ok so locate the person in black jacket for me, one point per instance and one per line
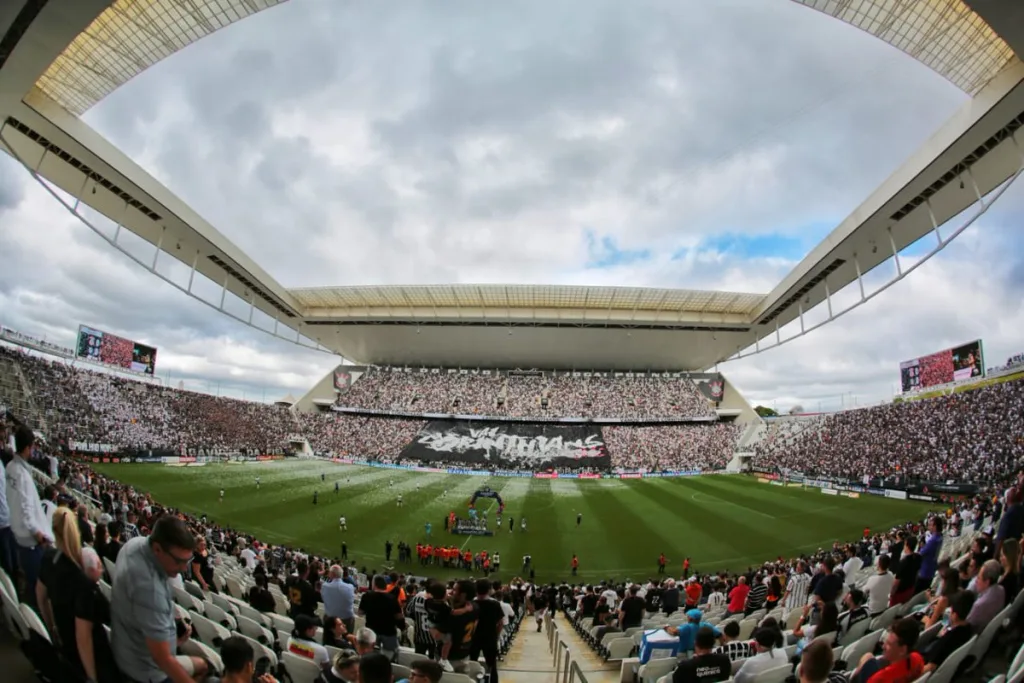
(906, 573)
(952, 637)
(704, 666)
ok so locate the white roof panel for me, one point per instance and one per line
(129, 37)
(527, 297)
(947, 36)
(132, 35)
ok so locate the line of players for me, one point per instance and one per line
(451, 557)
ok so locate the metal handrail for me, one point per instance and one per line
(576, 672)
(558, 656)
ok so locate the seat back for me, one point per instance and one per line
(946, 672)
(865, 644)
(14, 618)
(302, 670)
(984, 641)
(33, 621)
(776, 674)
(855, 633)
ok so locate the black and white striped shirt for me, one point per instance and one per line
(737, 649)
(415, 609)
(799, 586)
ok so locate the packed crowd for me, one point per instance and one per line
(971, 436)
(527, 395)
(101, 408)
(673, 447)
(936, 592)
(349, 436)
(79, 405)
(57, 545)
(864, 577)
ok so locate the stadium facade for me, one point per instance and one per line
(58, 58)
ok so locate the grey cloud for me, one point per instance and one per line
(778, 118)
(11, 186)
(426, 81)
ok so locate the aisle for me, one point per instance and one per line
(592, 664)
(531, 660)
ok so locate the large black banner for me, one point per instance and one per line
(510, 446)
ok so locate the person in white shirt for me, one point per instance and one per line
(717, 597)
(852, 565)
(248, 555)
(28, 521)
(770, 655)
(611, 597)
(302, 642)
(8, 547)
(879, 586)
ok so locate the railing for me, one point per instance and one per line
(566, 668)
(574, 673)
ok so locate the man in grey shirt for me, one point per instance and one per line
(143, 634)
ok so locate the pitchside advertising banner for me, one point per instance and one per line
(950, 365)
(511, 446)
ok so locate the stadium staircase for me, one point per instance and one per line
(555, 655)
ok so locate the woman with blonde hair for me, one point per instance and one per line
(61, 581)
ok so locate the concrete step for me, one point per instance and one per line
(592, 664)
(530, 658)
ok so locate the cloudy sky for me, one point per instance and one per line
(670, 143)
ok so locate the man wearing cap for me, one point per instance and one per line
(302, 642)
(688, 632)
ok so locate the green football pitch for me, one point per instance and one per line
(719, 521)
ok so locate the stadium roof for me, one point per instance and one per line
(59, 58)
(132, 35)
(591, 303)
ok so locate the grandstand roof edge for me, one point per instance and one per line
(948, 37)
(638, 301)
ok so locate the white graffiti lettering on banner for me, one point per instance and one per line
(496, 443)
